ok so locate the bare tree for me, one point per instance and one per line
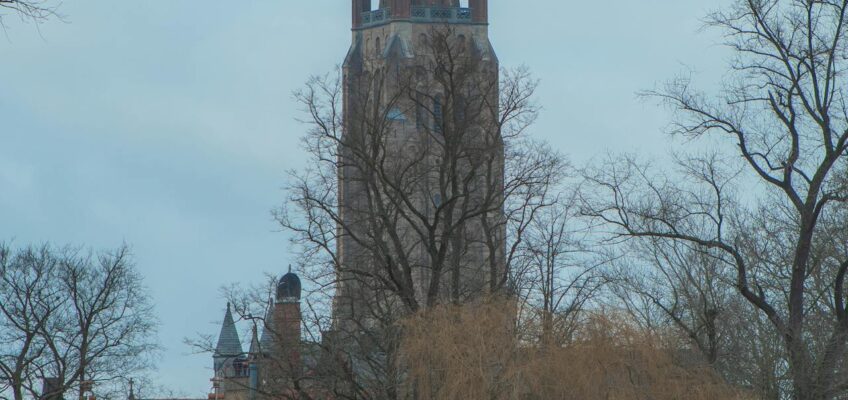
(670, 286)
(28, 301)
(555, 271)
(465, 129)
(34, 10)
(85, 321)
(786, 116)
(428, 181)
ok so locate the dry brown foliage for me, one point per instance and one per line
(472, 352)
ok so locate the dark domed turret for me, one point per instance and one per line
(289, 288)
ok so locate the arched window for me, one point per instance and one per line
(461, 43)
(459, 106)
(419, 112)
(422, 44)
(377, 47)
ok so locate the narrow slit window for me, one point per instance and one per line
(437, 113)
(419, 112)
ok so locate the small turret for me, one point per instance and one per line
(229, 345)
(267, 340)
(255, 347)
(254, 358)
(132, 390)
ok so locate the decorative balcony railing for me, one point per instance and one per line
(451, 15)
(441, 14)
(376, 17)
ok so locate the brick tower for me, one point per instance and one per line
(395, 89)
(286, 323)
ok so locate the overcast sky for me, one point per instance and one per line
(168, 125)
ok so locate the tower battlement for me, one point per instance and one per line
(419, 11)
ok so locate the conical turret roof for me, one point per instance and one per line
(267, 340)
(229, 344)
(255, 347)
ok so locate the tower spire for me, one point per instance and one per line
(267, 340)
(255, 347)
(229, 345)
(132, 390)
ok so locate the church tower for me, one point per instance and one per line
(421, 161)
